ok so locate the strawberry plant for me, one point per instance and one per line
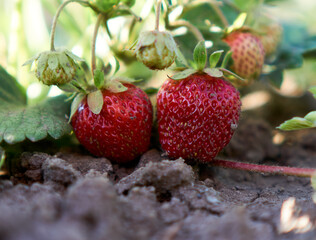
(125, 112)
(110, 113)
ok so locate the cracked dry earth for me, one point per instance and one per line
(74, 196)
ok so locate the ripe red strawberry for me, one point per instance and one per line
(248, 54)
(197, 116)
(121, 131)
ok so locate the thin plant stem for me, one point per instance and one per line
(220, 14)
(289, 171)
(182, 23)
(107, 29)
(61, 7)
(158, 10)
(193, 29)
(94, 38)
(125, 8)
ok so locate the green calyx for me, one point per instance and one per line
(94, 91)
(199, 64)
(55, 67)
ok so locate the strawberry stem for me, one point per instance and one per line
(94, 38)
(182, 23)
(194, 30)
(158, 10)
(289, 171)
(220, 14)
(61, 7)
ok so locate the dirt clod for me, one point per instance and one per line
(59, 171)
(164, 176)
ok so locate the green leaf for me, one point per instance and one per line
(123, 79)
(115, 86)
(224, 70)
(296, 123)
(73, 56)
(98, 78)
(180, 59)
(226, 59)
(214, 72)
(19, 121)
(275, 77)
(95, 101)
(311, 117)
(246, 5)
(313, 91)
(104, 6)
(214, 58)
(69, 87)
(238, 23)
(2, 157)
(184, 74)
(34, 122)
(75, 104)
(200, 55)
(151, 90)
(117, 66)
(198, 12)
(10, 90)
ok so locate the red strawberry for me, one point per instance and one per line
(197, 116)
(248, 54)
(121, 131)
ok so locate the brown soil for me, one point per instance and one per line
(74, 196)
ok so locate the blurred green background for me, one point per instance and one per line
(25, 28)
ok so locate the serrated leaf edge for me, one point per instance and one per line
(295, 123)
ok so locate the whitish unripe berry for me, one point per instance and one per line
(55, 67)
(248, 54)
(155, 49)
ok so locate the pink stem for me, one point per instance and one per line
(291, 171)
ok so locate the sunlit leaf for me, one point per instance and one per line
(19, 121)
(296, 123)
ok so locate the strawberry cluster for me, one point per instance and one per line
(197, 108)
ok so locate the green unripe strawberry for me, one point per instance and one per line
(55, 67)
(156, 50)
